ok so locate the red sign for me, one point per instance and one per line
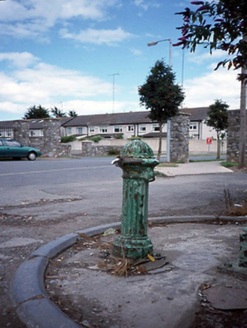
(209, 141)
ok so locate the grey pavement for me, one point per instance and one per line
(193, 168)
(167, 298)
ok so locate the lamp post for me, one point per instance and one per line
(168, 139)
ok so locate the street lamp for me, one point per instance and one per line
(154, 43)
(168, 139)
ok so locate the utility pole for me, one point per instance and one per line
(113, 90)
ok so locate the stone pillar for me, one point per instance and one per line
(52, 137)
(179, 148)
(233, 136)
(21, 132)
(87, 148)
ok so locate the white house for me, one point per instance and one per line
(128, 125)
(198, 128)
(117, 124)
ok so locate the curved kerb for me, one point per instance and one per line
(27, 288)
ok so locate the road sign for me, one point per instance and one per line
(209, 141)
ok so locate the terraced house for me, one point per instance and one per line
(125, 125)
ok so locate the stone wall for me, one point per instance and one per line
(179, 147)
(89, 148)
(233, 136)
(50, 144)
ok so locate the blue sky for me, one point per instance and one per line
(83, 54)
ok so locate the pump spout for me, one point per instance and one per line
(116, 162)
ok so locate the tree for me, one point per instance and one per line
(221, 25)
(36, 112)
(161, 95)
(218, 119)
(57, 112)
(72, 113)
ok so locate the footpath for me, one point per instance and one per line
(212, 167)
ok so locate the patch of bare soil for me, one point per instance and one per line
(208, 317)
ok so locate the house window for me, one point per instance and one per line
(156, 127)
(118, 129)
(42, 133)
(193, 126)
(79, 130)
(142, 128)
(32, 133)
(103, 129)
(130, 128)
(68, 130)
(91, 129)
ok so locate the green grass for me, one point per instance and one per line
(204, 160)
(229, 164)
(167, 165)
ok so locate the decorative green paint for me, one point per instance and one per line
(137, 149)
(137, 162)
(243, 249)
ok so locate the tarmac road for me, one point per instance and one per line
(45, 199)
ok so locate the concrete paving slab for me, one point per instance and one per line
(193, 169)
(227, 298)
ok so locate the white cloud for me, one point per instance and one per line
(19, 59)
(83, 107)
(109, 37)
(200, 57)
(204, 90)
(136, 52)
(32, 18)
(146, 4)
(33, 82)
(10, 107)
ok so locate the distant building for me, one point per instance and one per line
(198, 128)
(128, 124)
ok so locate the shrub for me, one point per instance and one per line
(118, 136)
(113, 151)
(68, 139)
(135, 138)
(95, 138)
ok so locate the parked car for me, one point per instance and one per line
(14, 149)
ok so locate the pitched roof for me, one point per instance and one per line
(109, 119)
(138, 117)
(6, 124)
(196, 114)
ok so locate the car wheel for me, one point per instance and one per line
(31, 156)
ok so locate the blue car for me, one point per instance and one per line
(15, 150)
